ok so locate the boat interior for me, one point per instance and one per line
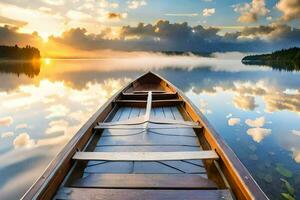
(148, 143)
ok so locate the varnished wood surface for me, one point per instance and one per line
(134, 139)
(143, 96)
(242, 183)
(146, 156)
(145, 181)
(130, 194)
(155, 103)
(152, 139)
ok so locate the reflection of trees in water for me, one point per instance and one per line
(293, 65)
(29, 68)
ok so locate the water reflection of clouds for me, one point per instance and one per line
(258, 122)
(23, 140)
(291, 142)
(6, 121)
(258, 134)
(274, 97)
(56, 100)
(233, 121)
(61, 112)
(68, 92)
(244, 102)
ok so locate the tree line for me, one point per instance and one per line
(285, 59)
(19, 53)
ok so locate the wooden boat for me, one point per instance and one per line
(147, 142)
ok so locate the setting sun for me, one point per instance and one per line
(47, 61)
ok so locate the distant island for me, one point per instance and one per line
(184, 53)
(285, 59)
(19, 53)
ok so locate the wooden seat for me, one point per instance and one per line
(143, 96)
(137, 194)
(138, 121)
(150, 126)
(142, 103)
(145, 181)
(146, 156)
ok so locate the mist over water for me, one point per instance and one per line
(254, 108)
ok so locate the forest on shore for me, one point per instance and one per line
(19, 53)
(285, 59)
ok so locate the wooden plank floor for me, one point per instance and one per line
(152, 140)
(129, 194)
(146, 181)
(155, 179)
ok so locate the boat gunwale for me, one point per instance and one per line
(69, 149)
(224, 151)
(230, 161)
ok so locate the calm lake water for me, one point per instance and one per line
(255, 109)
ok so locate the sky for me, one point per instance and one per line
(60, 27)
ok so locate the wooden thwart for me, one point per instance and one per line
(155, 103)
(145, 181)
(139, 121)
(136, 194)
(143, 96)
(150, 126)
(146, 91)
(146, 156)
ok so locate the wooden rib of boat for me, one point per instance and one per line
(147, 142)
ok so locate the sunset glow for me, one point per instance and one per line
(66, 28)
(210, 97)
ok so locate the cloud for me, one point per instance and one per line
(208, 12)
(34, 18)
(45, 9)
(161, 36)
(258, 122)
(182, 14)
(296, 132)
(204, 107)
(229, 115)
(258, 134)
(289, 8)
(233, 121)
(22, 126)
(23, 140)
(6, 121)
(296, 155)
(57, 126)
(251, 11)
(77, 15)
(54, 2)
(270, 33)
(12, 22)
(57, 111)
(282, 101)
(291, 143)
(164, 36)
(106, 4)
(116, 16)
(7, 134)
(244, 102)
(134, 4)
(274, 98)
(10, 36)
